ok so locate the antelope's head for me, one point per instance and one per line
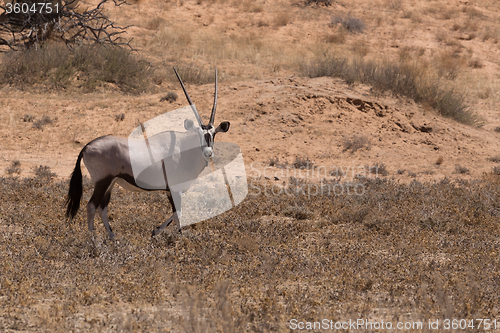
(206, 132)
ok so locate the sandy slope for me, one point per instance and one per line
(284, 118)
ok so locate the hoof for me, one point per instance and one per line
(155, 232)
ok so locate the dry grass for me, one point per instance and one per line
(275, 162)
(171, 38)
(356, 142)
(203, 49)
(14, 168)
(406, 53)
(27, 118)
(303, 163)
(405, 78)
(253, 268)
(361, 48)
(378, 169)
(319, 2)
(394, 4)
(120, 117)
(55, 66)
(441, 11)
(191, 73)
(448, 64)
(298, 213)
(43, 172)
(169, 97)
(461, 169)
(39, 124)
(414, 16)
(349, 23)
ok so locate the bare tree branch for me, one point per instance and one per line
(29, 23)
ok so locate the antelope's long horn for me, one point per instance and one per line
(212, 116)
(193, 107)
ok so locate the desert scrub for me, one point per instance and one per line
(40, 124)
(403, 78)
(461, 169)
(169, 97)
(356, 142)
(377, 169)
(87, 66)
(319, 2)
(44, 172)
(191, 73)
(349, 23)
(303, 163)
(14, 168)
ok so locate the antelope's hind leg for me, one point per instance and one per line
(103, 210)
(175, 215)
(100, 200)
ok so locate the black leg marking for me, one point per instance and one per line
(100, 192)
(105, 200)
(171, 199)
(100, 199)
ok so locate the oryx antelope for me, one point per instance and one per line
(108, 161)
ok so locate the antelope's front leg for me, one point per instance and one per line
(166, 224)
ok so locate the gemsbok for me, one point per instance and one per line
(108, 161)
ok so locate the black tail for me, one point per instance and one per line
(75, 189)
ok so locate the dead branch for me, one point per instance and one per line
(29, 23)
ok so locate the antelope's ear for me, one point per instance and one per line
(223, 127)
(188, 123)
